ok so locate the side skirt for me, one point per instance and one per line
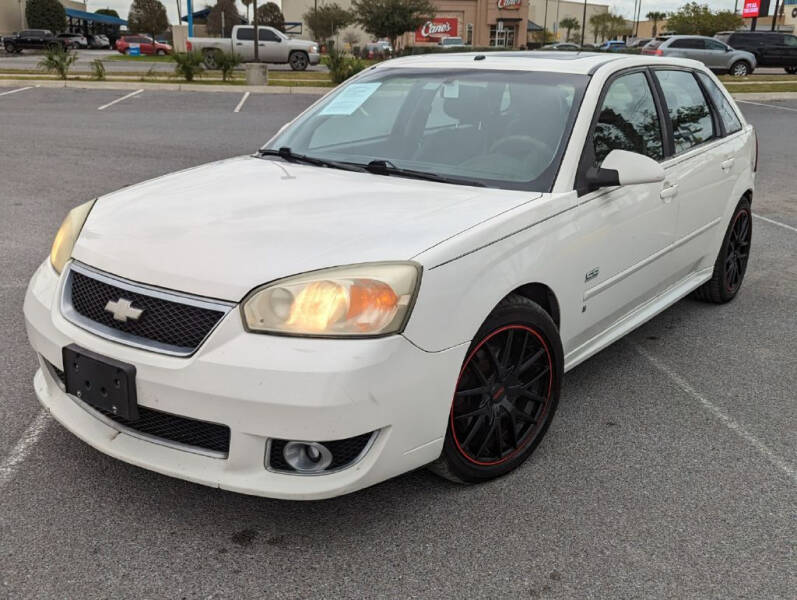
(637, 317)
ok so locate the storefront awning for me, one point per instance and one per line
(94, 18)
(532, 26)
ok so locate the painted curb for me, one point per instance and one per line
(167, 87)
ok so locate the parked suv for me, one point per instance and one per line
(771, 48)
(32, 39)
(75, 40)
(713, 53)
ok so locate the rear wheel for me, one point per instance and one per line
(209, 58)
(10, 47)
(506, 394)
(298, 61)
(161, 52)
(791, 70)
(740, 69)
(731, 264)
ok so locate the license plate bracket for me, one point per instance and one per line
(101, 382)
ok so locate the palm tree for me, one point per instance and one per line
(656, 16)
(247, 4)
(569, 24)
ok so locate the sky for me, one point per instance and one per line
(623, 7)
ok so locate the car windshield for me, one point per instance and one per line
(502, 129)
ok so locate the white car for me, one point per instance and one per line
(400, 277)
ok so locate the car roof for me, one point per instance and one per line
(584, 63)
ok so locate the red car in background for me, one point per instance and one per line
(145, 43)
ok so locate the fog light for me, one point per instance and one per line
(307, 457)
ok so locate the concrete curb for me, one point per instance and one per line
(167, 87)
(765, 95)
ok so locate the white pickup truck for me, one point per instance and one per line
(273, 47)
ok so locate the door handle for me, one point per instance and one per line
(239, 43)
(668, 193)
(727, 164)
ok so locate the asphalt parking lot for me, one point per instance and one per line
(669, 471)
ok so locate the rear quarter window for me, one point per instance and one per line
(724, 108)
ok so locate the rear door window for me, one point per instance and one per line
(726, 112)
(628, 119)
(689, 112)
(714, 45)
(689, 43)
(246, 33)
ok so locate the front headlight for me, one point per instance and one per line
(357, 301)
(314, 50)
(67, 235)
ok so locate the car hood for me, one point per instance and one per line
(221, 229)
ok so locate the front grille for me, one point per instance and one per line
(163, 324)
(344, 452)
(166, 426)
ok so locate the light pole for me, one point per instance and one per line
(257, 34)
(583, 23)
(190, 7)
(545, 25)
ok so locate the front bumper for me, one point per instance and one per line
(261, 387)
(314, 57)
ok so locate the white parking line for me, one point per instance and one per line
(717, 412)
(30, 87)
(130, 95)
(12, 462)
(241, 103)
(774, 222)
(769, 105)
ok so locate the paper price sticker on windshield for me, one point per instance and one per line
(350, 99)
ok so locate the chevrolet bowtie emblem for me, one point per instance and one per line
(122, 310)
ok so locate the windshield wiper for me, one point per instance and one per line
(385, 167)
(290, 156)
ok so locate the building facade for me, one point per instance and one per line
(549, 13)
(12, 14)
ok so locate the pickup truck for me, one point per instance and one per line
(33, 39)
(273, 47)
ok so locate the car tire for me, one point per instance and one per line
(209, 59)
(126, 52)
(298, 61)
(731, 263)
(741, 68)
(791, 70)
(506, 394)
(161, 52)
(10, 48)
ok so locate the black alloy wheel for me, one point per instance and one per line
(738, 250)
(731, 263)
(298, 61)
(506, 393)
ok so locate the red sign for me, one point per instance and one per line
(751, 8)
(509, 4)
(437, 28)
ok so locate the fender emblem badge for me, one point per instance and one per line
(592, 274)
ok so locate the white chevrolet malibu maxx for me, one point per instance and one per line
(400, 277)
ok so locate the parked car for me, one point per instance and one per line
(561, 46)
(770, 48)
(717, 56)
(451, 42)
(145, 43)
(400, 277)
(612, 46)
(638, 42)
(99, 41)
(74, 40)
(273, 47)
(32, 39)
(378, 49)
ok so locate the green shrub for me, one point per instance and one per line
(226, 62)
(97, 69)
(341, 67)
(58, 59)
(189, 64)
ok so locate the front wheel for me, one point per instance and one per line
(209, 58)
(161, 52)
(791, 70)
(506, 394)
(740, 69)
(731, 264)
(10, 48)
(298, 61)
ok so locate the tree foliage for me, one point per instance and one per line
(147, 16)
(392, 18)
(107, 11)
(569, 24)
(45, 14)
(608, 26)
(698, 19)
(231, 18)
(269, 14)
(247, 4)
(326, 20)
(656, 16)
